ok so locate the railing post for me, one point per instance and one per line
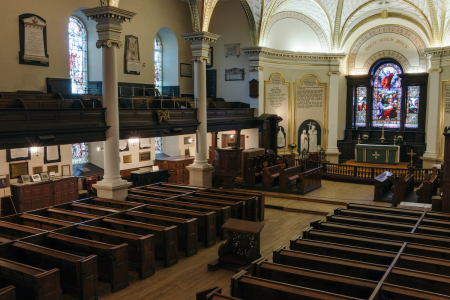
(355, 171)
(372, 173)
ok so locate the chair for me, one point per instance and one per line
(91, 190)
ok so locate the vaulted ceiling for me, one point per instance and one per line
(338, 19)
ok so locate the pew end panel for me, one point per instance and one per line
(8, 293)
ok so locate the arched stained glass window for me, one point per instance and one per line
(159, 145)
(78, 55)
(158, 64)
(80, 153)
(412, 107)
(361, 106)
(387, 96)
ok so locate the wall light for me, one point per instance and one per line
(133, 141)
(100, 149)
(191, 140)
(35, 150)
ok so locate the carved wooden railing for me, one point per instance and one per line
(363, 172)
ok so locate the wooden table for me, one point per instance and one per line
(144, 177)
(177, 167)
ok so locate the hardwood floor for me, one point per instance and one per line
(190, 275)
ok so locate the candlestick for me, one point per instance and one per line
(395, 140)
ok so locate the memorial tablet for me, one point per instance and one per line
(277, 101)
(33, 40)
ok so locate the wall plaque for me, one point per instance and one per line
(145, 156)
(447, 97)
(132, 57)
(33, 40)
(18, 169)
(38, 170)
(234, 74)
(233, 50)
(277, 101)
(18, 154)
(127, 159)
(123, 145)
(185, 70)
(52, 154)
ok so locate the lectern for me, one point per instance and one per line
(242, 246)
(227, 164)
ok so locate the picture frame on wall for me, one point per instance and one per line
(145, 156)
(66, 170)
(36, 178)
(234, 74)
(54, 168)
(33, 40)
(5, 186)
(44, 176)
(145, 143)
(52, 154)
(210, 64)
(127, 159)
(185, 70)
(38, 169)
(26, 178)
(18, 169)
(123, 145)
(18, 154)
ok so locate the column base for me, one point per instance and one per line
(200, 175)
(429, 162)
(333, 157)
(116, 190)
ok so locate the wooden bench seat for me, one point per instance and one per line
(110, 203)
(89, 209)
(251, 200)
(187, 229)
(63, 214)
(382, 224)
(164, 189)
(309, 181)
(206, 220)
(166, 242)
(376, 216)
(289, 176)
(385, 209)
(222, 213)
(237, 208)
(402, 185)
(30, 282)
(78, 274)
(153, 194)
(429, 186)
(396, 292)
(12, 231)
(383, 185)
(271, 174)
(112, 260)
(141, 249)
(36, 221)
(8, 293)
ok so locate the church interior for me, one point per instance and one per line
(225, 149)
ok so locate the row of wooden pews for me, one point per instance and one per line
(358, 252)
(254, 167)
(67, 249)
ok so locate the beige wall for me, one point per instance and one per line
(151, 17)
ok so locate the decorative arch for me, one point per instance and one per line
(195, 17)
(399, 30)
(303, 18)
(251, 22)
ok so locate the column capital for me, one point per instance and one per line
(435, 69)
(331, 73)
(200, 37)
(256, 69)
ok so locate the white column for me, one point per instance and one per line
(109, 28)
(200, 172)
(332, 150)
(430, 156)
(257, 72)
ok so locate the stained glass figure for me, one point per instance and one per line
(78, 55)
(412, 107)
(361, 106)
(80, 153)
(158, 145)
(158, 64)
(387, 96)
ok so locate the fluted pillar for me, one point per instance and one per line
(109, 27)
(200, 172)
(332, 150)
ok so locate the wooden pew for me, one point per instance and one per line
(214, 293)
(110, 203)
(166, 241)
(206, 220)
(382, 224)
(222, 213)
(337, 284)
(10, 232)
(165, 189)
(383, 184)
(251, 175)
(63, 214)
(254, 201)
(153, 194)
(396, 292)
(181, 186)
(376, 216)
(309, 181)
(289, 175)
(141, 249)
(36, 221)
(78, 274)
(30, 282)
(429, 186)
(187, 229)
(8, 293)
(252, 288)
(403, 184)
(89, 209)
(385, 209)
(237, 208)
(112, 260)
(270, 175)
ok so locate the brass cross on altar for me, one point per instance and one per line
(376, 155)
(412, 155)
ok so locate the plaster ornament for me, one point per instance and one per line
(113, 3)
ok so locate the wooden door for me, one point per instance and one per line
(227, 139)
(211, 83)
(242, 141)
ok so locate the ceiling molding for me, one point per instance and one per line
(435, 27)
(251, 22)
(337, 25)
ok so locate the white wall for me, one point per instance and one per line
(170, 56)
(38, 160)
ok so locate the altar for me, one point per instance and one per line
(377, 154)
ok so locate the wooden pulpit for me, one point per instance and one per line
(227, 165)
(242, 246)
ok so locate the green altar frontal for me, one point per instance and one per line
(377, 154)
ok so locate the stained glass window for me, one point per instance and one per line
(412, 107)
(387, 96)
(80, 153)
(361, 106)
(159, 145)
(158, 64)
(78, 55)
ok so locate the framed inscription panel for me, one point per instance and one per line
(145, 156)
(185, 70)
(132, 57)
(52, 154)
(277, 101)
(234, 74)
(123, 145)
(18, 154)
(310, 103)
(145, 143)
(127, 159)
(18, 169)
(33, 40)
(232, 50)
(38, 170)
(54, 168)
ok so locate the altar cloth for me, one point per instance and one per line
(377, 154)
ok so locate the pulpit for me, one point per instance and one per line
(242, 246)
(227, 165)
